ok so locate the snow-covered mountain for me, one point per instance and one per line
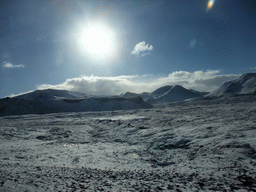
(198, 92)
(51, 94)
(53, 101)
(143, 95)
(246, 84)
(167, 94)
(160, 91)
(171, 94)
(129, 95)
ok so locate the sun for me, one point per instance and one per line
(98, 40)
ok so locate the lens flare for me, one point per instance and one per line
(210, 4)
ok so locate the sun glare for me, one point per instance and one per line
(98, 40)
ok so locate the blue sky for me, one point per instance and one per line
(153, 43)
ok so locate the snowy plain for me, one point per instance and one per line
(197, 145)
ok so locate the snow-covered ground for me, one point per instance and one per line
(188, 146)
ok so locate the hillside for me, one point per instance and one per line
(51, 94)
(167, 94)
(54, 101)
(175, 93)
(246, 84)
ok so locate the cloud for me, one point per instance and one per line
(10, 65)
(192, 44)
(142, 47)
(94, 85)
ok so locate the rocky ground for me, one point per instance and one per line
(206, 145)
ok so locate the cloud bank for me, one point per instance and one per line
(10, 65)
(94, 85)
(143, 48)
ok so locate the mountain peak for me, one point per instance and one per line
(248, 75)
(50, 94)
(246, 84)
(161, 90)
(172, 94)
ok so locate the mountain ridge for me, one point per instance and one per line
(54, 101)
(168, 93)
(245, 84)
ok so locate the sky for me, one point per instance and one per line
(110, 47)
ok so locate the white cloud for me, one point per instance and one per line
(10, 65)
(198, 80)
(192, 44)
(142, 47)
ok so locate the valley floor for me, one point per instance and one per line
(188, 146)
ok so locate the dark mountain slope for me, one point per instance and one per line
(55, 101)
